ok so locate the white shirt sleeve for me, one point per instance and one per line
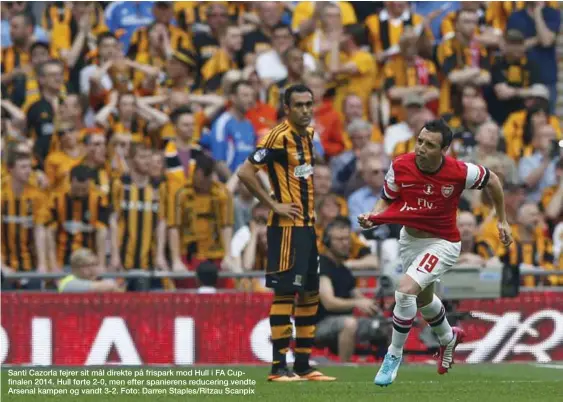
(390, 188)
(477, 176)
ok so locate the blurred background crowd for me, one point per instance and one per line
(123, 124)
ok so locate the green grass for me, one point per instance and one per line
(418, 383)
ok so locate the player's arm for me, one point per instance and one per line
(480, 178)
(248, 175)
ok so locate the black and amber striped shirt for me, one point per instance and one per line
(137, 212)
(398, 73)
(453, 55)
(76, 221)
(538, 252)
(212, 70)
(57, 12)
(140, 40)
(288, 158)
(19, 216)
(385, 32)
(201, 219)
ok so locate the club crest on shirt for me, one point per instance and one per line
(303, 171)
(447, 190)
(428, 189)
(260, 155)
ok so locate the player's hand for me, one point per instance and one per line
(367, 306)
(364, 221)
(505, 233)
(287, 210)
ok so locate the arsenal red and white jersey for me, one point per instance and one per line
(429, 202)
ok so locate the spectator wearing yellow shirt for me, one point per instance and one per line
(386, 27)
(59, 163)
(462, 60)
(531, 246)
(16, 58)
(487, 33)
(353, 69)
(260, 40)
(75, 39)
(163, 14)
(41, 113)
(552, 197)
(328, 31)
(519, 126)
(223, 60)
(306, 15)
(408, 73)
(22, 84)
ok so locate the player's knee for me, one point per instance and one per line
(350, 325)
(405, 300)
(408, 286)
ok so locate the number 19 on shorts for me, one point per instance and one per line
(428, 263)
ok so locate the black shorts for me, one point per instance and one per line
(293, 259)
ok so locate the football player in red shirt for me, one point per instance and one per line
(421, 192)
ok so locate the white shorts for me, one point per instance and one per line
(426, 260)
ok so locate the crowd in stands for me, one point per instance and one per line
(124, 123)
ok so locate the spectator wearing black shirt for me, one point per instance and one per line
(260, 40)
(512, 73)
(339, 296)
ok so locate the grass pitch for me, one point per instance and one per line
(419, 383)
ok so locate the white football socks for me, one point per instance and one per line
(435, 315)
(403, 317)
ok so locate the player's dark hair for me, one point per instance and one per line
(81, 173)
(440, 126)
(297, 88)
(176, 113)
(204, 163)
(207, 274)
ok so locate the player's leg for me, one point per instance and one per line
(434, 312)
(307, 303)
(438, 259)
(404, 312)
(282, 305)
